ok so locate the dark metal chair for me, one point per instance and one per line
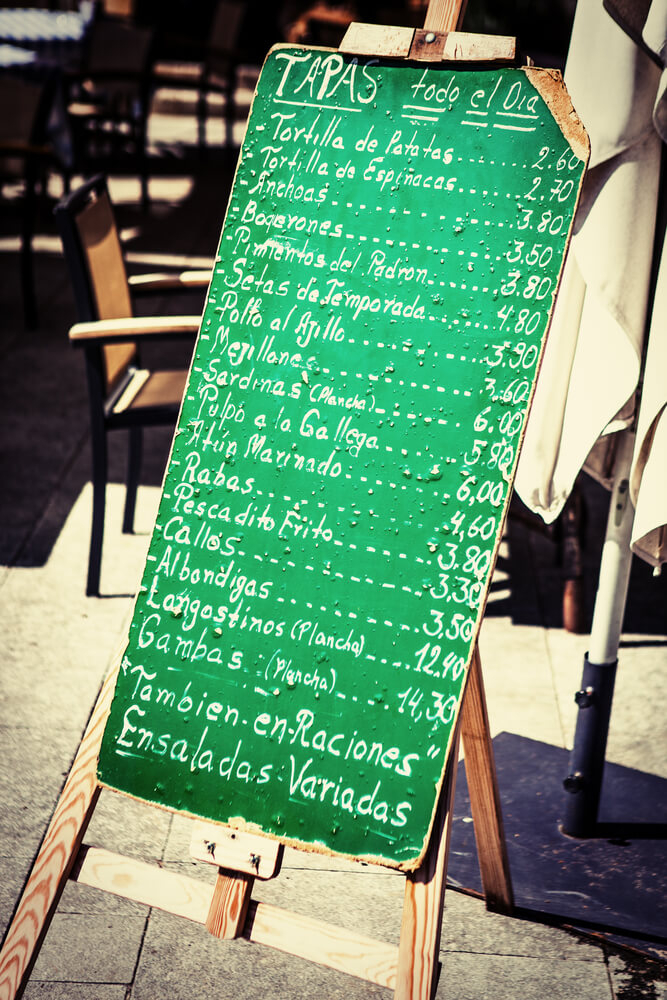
(122, 393)
(109, 98)
(214, 70)
(26, 155)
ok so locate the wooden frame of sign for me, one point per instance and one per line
(226, 909)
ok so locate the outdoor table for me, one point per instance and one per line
(55, 36)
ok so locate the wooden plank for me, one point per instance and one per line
(464, 47)
(424, 897)
(327, 944)
(460, 46)
(376, 39)
(235, 849)
(305, 937)
(144, 883)
(229, 906)
(432, 46)
(484, 795)
(56, 856)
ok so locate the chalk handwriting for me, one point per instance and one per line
(340, 472)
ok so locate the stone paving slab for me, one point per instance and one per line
(237, 970)
(40, 763)
(506, 977)
(74, 991)
(91, 948)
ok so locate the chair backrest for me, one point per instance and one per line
(224, 34)
(117, 47)
(95, 260)
(26, 104)
(21, 102)
(109, 107)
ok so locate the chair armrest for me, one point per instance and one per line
(15, 147)
(80, 77)
(183, 75)
(183, 281)
(109, 331)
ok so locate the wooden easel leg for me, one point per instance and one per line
(444, 15)
(484, 796)
(56, 856)
(416, 977)
(416, 974)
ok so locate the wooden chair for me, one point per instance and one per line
(122, 394)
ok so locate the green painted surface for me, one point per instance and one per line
(338, 480)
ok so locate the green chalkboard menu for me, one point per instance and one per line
(339, 475)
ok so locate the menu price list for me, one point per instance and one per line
(339, 475)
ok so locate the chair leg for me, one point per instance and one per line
(134, 453)
(230, 107)
(27, 263)
(144, 172)
(99, 445)
(142, 147)
(202, 114)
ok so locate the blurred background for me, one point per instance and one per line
(153, 95)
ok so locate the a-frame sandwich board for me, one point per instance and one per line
(227, 909)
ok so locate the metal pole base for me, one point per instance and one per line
(584, 782)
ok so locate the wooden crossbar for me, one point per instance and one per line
(306, 937)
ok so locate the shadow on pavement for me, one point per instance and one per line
(44, 456)
(614, 883)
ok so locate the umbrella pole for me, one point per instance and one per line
(584, 782)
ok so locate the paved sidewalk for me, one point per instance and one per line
(56, 645)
